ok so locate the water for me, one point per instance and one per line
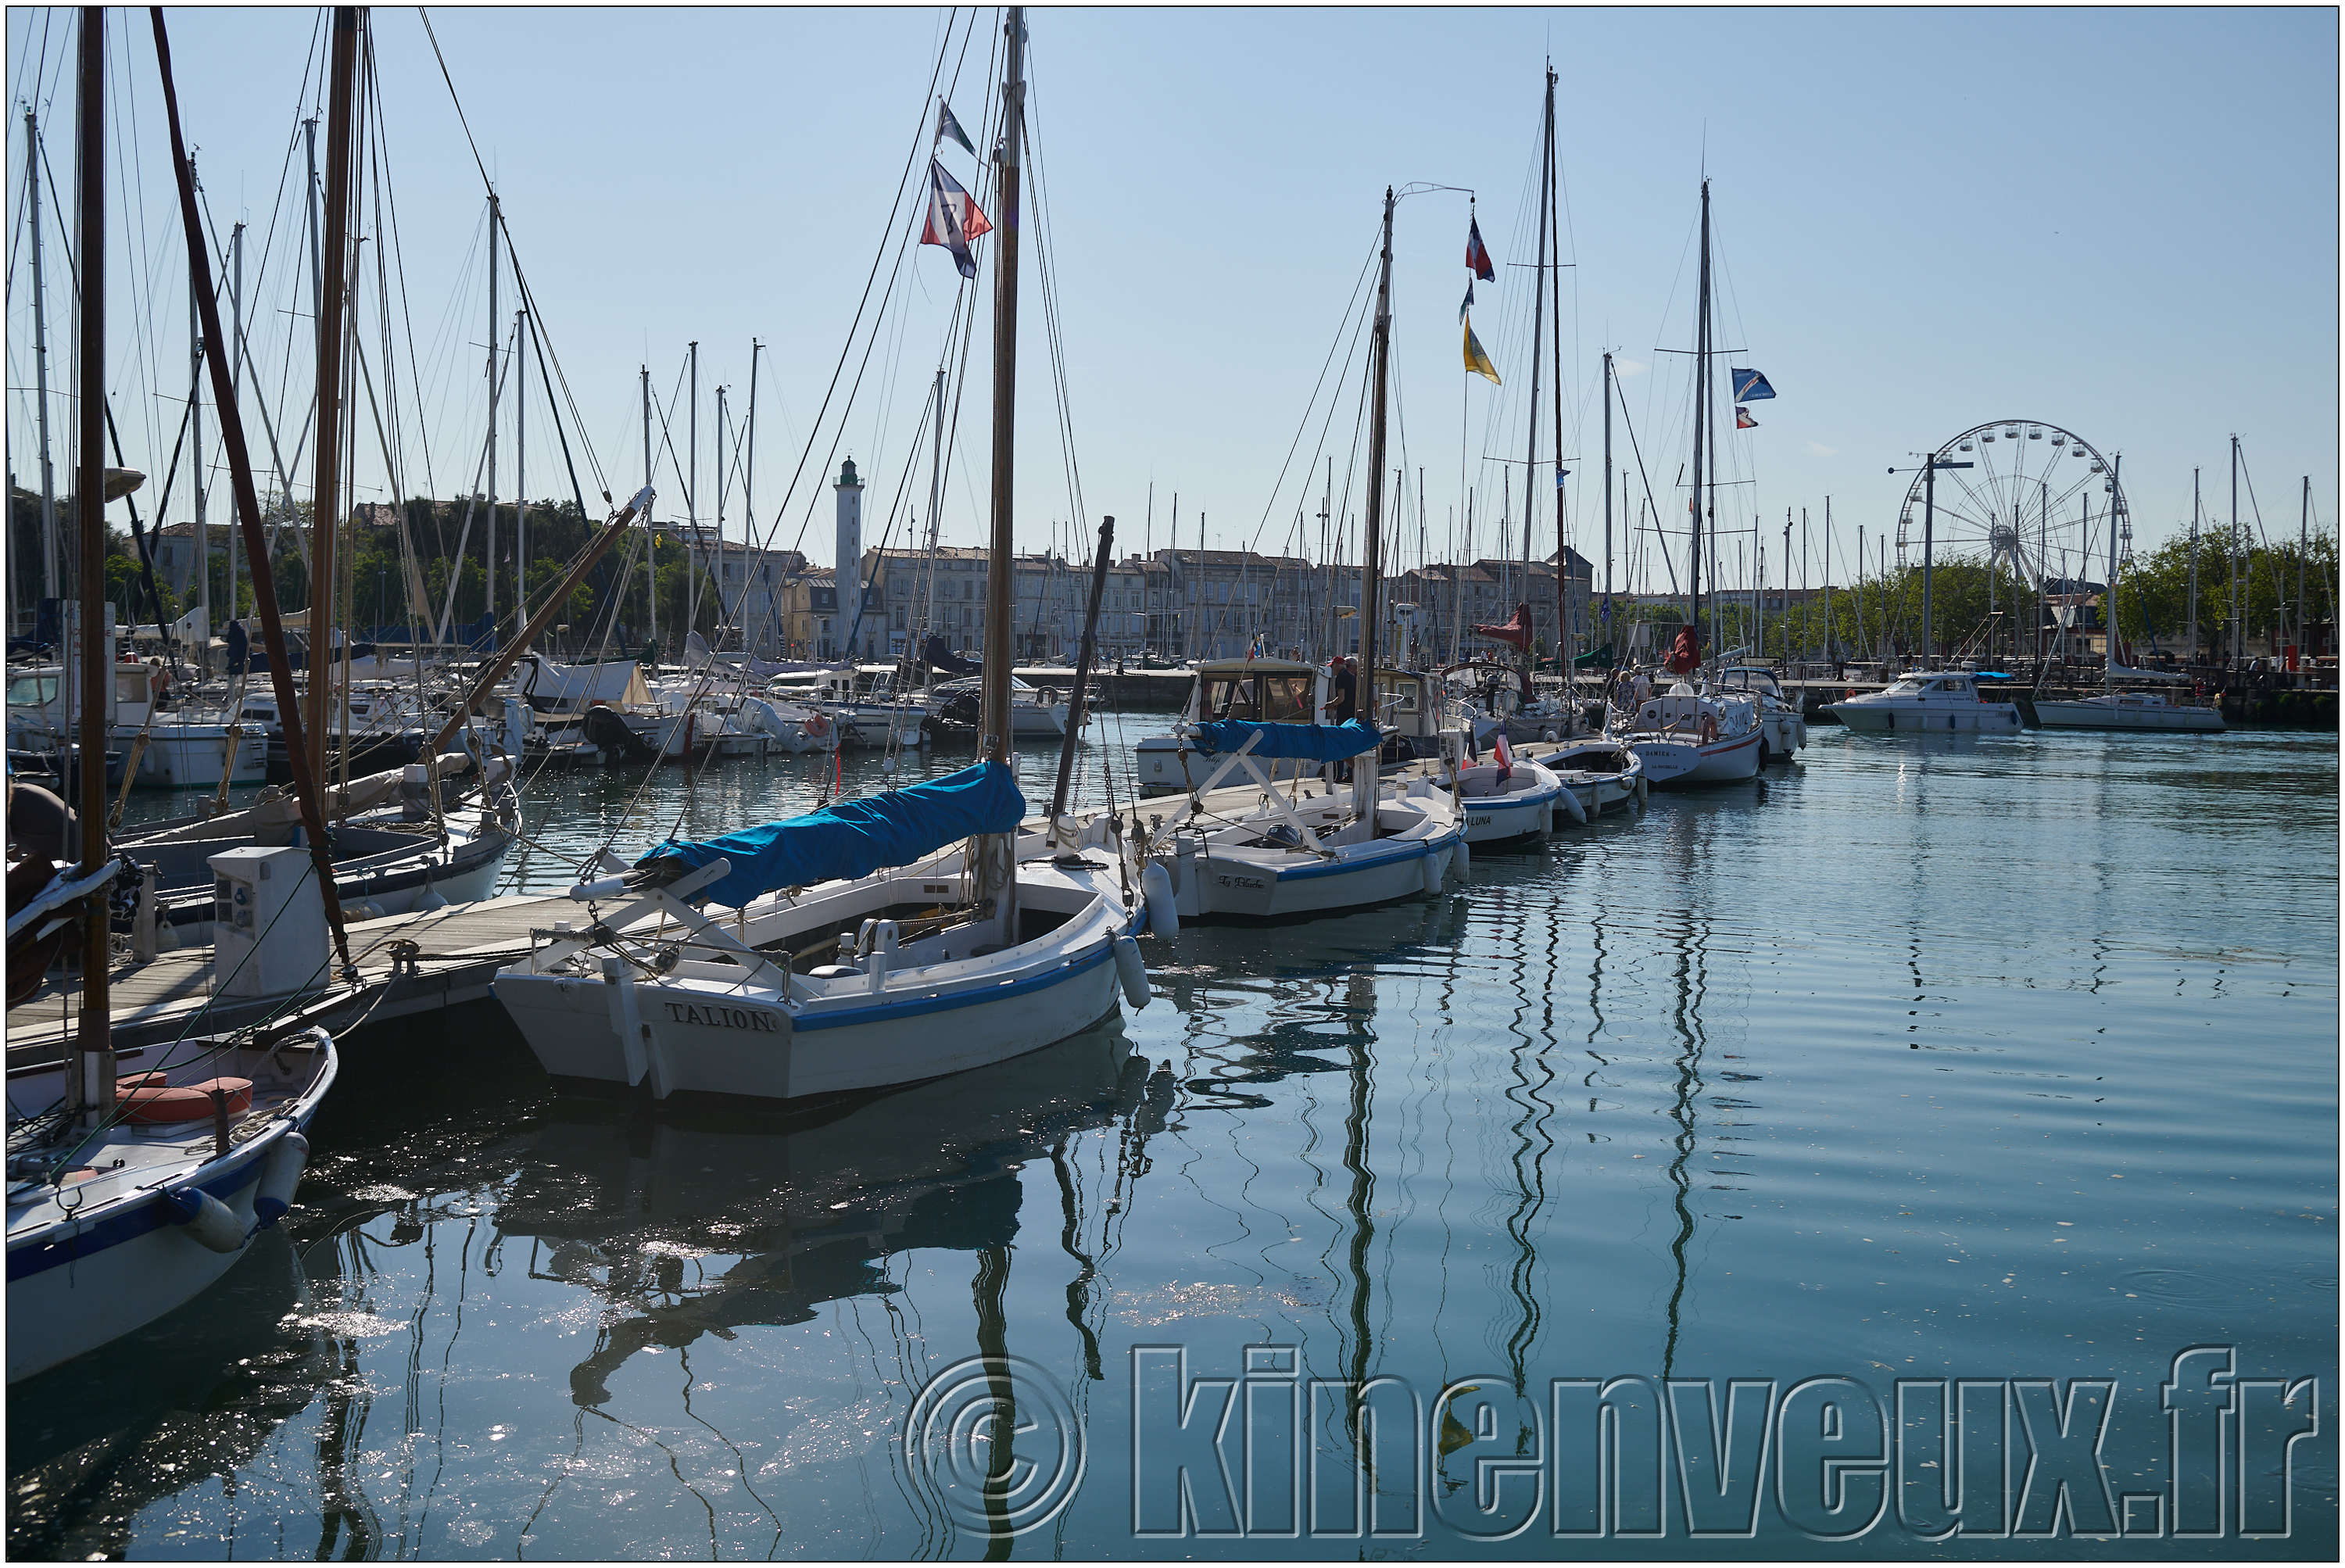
(2009, 1061)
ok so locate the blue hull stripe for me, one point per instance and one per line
(31, 1258)
(908, 1008)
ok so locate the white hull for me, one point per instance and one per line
(1920, 718)
(2156, 717)
(894, 1019)
(1674, 764)
(1596, 788)
(1523, 806)
(81, 1277)
(194, 756)
(1233, 873)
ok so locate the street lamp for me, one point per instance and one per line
(1929, 472)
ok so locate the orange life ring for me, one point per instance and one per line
(1709, 728)
(155, 1103)
(816, 726)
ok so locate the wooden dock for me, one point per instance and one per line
(457, 951)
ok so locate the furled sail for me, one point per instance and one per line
(853, 837)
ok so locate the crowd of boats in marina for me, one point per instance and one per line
(875, 943)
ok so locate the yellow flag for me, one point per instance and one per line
(1478, 362)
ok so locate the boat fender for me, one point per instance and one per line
(1156, 891)
(1572, 809)
(278, 1177)
(626, 1018)
(1461, 860)
(205, 1217)
(1642, 789)
(1134, 971)
(1547, 734)
(1432, 864)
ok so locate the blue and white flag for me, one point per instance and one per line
(1750, 386)
(1466, 308)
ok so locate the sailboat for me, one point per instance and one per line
(875, 943)
(1331, 846)
(129, 1194)
(1688, 734)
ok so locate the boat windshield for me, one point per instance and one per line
(1265, 697)
(1908, 687)
(32, 690)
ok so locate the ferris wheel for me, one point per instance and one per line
(2031, 494)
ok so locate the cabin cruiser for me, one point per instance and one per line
(1936, 702)
(1036, 713)
(873, 717)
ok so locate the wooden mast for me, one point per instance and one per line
(997, 867)
(325, 509)
(92, 1089)
(1531, 424)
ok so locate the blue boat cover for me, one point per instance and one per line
(854, 838)
(1312, 742)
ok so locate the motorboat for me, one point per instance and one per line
(855, 957)
(873, 717)
(1036, 713)
(1782, 727)
(1684, 736)
(1509, 798)
(1598, 773)
(1931, 702)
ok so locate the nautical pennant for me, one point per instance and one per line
(1478, 362)
(1477, 255)
(1750, 386)
(1467, 304)
(1742, 420)
(948, 126)
(954, 219)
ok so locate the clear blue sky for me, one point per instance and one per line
(2124, 223)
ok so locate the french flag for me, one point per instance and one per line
(954, 219)
(1505, 755)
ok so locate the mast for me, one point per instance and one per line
(997, 868)
(1101, 557)
(1564, 634)
(1371, 551)
(520, 493)
(490, 576)
(1531, 439)
(2238, 624)
(196, 456)
(651, 534)
(2303, 545)
(2109, 617)
(1701, 387)
(325, 506)
(92, 1086)
(692, 498)
(936, 495)
(2193, 566)
(235, 390)
(41, 360)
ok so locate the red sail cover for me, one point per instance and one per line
(1516, 633)
(1684, 657)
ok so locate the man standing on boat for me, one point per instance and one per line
(1345, 705)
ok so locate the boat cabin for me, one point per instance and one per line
(1266, 690)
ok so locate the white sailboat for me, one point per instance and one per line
(879, 941)
(1304, 846)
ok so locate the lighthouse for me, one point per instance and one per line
(848, 564)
